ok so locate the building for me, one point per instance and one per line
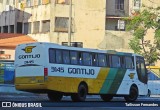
(94, 23)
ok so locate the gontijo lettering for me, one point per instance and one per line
(29, 56)
(81, 71)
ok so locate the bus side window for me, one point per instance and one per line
(115, 61)
(123, 64)
(52, 55)
(80, 60)
(94, 59)
(66, 58)
(73, 57)
(58, 56)
(129, 62)
(102, 60)
(87, 57)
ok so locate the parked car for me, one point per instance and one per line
(153, 82)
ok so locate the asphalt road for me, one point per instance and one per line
(92, 103)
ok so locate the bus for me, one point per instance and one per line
(77, 72)
(7, 72)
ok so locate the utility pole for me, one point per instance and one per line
(70, 23)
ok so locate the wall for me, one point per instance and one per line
(38, 13)
(151, 3)
(88, 22)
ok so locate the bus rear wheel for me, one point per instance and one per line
(106, 97)
(81, 95)
(55, 96)
(132, 95)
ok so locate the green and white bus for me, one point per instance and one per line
(77, 72)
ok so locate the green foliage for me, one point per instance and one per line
(135, 45)
(139, 25)
(139, 33)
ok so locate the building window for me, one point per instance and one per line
(137, 4)
(2, 52)
(120, 25)
(11, 28)
(46, 26)
(19, 27)
(36, 25)
(27, 28)
(61, 24)
(119, 5)
(74, 44)
(62, 1)
(5, 29)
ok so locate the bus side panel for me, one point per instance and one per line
(113, 81)
(70, 84)
(67, 78)
(127, 82)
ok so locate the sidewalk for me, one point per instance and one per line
(9, 88)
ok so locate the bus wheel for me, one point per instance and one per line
(106, 97)
(81, 95)
(55, 96)
(132, 95)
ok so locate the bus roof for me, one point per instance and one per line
(53, 45)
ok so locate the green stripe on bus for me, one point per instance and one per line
(117, 81)
(113, 81)
(108, 81)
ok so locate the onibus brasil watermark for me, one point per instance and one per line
(20, 104)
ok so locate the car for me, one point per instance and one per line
(153, 83)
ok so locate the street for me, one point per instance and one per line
(92, 102)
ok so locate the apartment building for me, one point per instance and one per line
(47, 20)
(95, 24)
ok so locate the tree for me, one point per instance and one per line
(139, 26)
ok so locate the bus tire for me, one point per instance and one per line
(81, 95)
(132, 95)
(55, 96)
(106, 97)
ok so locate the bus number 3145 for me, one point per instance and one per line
(57, 69)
